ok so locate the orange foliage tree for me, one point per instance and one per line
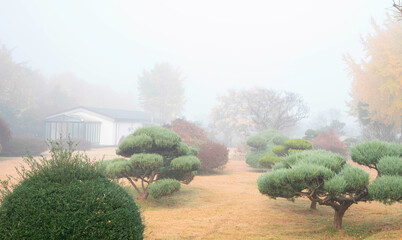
(377, 80)
(190, 133)
(329, 141)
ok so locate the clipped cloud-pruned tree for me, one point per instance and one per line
(320, 176)
(67, 197)
(262, 144)
(154, 153)
(325, 178)
(290, 146)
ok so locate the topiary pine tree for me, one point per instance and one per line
(154, 153)
(262, 144)
(327, 179)
(292, 146)
(386, 159)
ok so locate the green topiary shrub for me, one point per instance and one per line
(325, 178)
(155, 153)
(67, 197)
(280, 150)
(164, 187)
(268, 160)
(299, 144)
(262, 144)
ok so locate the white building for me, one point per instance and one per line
(100, 126)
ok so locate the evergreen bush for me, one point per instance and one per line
(155, 153)
(67, 197)
(261, 145)
(164, 187)
(268, 160)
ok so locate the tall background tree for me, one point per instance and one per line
(377, 82)
(27, 97)
(161, 92)
(242, 113)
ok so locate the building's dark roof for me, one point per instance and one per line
(68, 118)
(115, 114)
(120, 115)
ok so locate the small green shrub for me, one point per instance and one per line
(268, 160)
(252, 157)
(20, 146)
(293, 151)
(280, 150)
(164, 187)
(67, 197)
(300, 144)
(257, 142)
(261, 144)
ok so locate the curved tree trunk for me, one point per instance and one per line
(339, 212)
(313, 205)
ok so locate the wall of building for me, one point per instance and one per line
(123, 129)
(107, 131)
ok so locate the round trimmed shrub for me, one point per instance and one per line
(280, 150)
(68, 197)
(268, 160)
(299, 144)
(164, 187)
(213, 155)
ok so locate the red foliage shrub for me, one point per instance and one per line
(213, 155)
(5, 133)
(190, 133)
(329, 141)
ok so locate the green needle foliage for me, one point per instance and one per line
(369, 153)
(154, 153)
(261, 145)
(67, 197)
(164, 187)
(325, 178)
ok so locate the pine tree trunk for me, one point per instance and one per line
(313, 205)
(338, 217)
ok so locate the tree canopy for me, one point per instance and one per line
(161, 92)
(244, 112)
(326, 178)
(154, 153)
(377, 80)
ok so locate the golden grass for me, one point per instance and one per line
(229, 206)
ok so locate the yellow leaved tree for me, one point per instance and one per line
(377, 81)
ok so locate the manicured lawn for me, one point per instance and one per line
(227, 205)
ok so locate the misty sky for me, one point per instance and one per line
(217, 45)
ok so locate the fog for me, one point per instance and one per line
(292, 46)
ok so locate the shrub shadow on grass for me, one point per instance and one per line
(259, 170)
(186, 197)
(213, 172)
